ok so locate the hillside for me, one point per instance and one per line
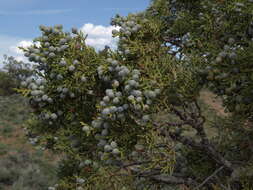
(23, 167)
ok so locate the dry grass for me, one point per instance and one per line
(213, 101)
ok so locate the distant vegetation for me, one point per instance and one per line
(11, 75)
(23, 167)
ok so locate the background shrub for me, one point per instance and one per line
(7, 84)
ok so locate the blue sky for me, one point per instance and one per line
(19, 19)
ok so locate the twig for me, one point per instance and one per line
(205, 147)
(207, 179)
(181, 115)
(175, 124)
(163, 178)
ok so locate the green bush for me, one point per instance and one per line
(11, 75)
(102, 110)
(7, 84)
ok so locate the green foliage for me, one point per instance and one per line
(11, 75)
(3, 149)
(221, 33)
(7, 85)
(18, 70)
(89, 107)
(100, 109)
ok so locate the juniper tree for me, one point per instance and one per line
(104, 111)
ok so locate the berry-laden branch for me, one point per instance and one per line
(208, 178)
(196, 120)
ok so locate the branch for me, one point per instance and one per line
(208, 178)
(155, 174)
(175, 124)
(181, 115)
(170, 179)
(163, 178)
(205, 147)
(183, 139)
(198, 125)
(134, 163)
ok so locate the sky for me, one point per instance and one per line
(20, 19)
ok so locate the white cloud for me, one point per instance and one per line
(24, 43)
(9, 46)
(99, 36)
(21, 58)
